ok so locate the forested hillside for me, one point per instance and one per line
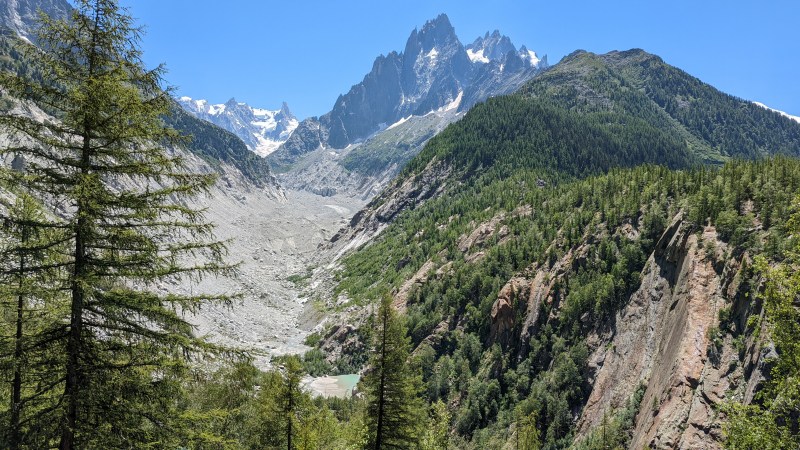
(581, 117)
(516, 259)
(591, 112)
(456, 266)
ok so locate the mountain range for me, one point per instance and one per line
(572, 246)
(630, 103)
(407, 98)
(263, 130)
(19, 17)
(435, 70)
(580, 252)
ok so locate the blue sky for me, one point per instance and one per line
(307, 52)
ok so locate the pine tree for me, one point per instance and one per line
(773, 421)
(527, 434)
(30, 263)
(104, 161)
(292, 398)
(437, 434)
(395, 409)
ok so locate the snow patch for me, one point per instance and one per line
(795, 118)
(339, 209)
(477, 56)
(454, 104)
(399, 122)
(532, 58)
(432, 54)
(265, 146)
(215, 110)
(269, 124)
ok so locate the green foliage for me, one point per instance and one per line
(31, 262)
(315, 364)
(239, 407)
(395, 408)
(313, 339)
(772, 422)
(547, 374)
(120, 345)
(437, 434)
(715, 126)
(509, 133)
(527, 435)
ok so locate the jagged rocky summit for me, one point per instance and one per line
(262, 130)
(435, 71)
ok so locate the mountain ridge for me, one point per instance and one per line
(20, 16)
(615, 91)
(432, 71)
(262, 130)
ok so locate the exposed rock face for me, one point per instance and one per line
(21, 16)
(665, 341)
(308, 136)
(370, 221)
(401, 297)
(662, 342)
(363, 169)
(513, 325)
(513, 295)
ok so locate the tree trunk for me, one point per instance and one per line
(16, 394)
(289, 418)
(74, 378)
(382, 385)
(74, 343)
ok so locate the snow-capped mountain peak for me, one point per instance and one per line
(495, 47)
(531, 57)
(434, 71)
(263, 130)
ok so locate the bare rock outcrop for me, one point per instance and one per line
(400, 299)
(663, 343)
(504, 310)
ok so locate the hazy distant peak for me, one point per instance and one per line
(262, 130)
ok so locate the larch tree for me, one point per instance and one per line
(30, 295)
(395, 412)
(104, 160)
(292, 398)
